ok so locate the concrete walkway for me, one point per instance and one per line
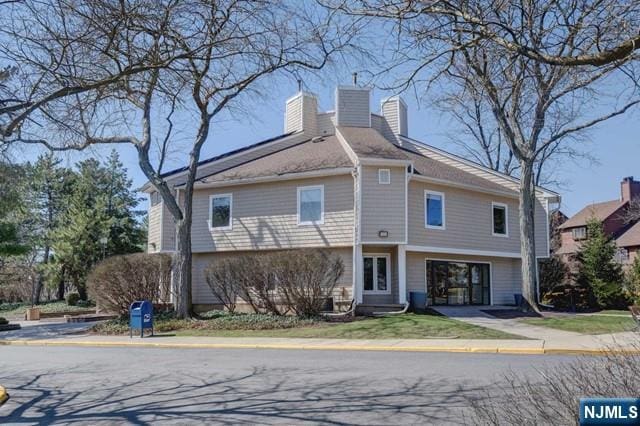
(474, 315)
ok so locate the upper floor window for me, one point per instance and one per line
(311, 205)
(384, 176)
(434, 210)
(220, 210)
(579, 233)
(622, 255)
(500, 214)
(155, 198)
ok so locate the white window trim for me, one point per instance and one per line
(306, 188)
(506, 219)
(375, 273)
(210, 220)
(444, 220)
(380, 180)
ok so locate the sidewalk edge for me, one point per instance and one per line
(312, 346)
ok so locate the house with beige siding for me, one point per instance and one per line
(403, 215)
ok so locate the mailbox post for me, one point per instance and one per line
(140, 316)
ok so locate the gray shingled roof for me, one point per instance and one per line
(368, 143)
(309, 155)
(600, 211)
(630, 237)
(428, 167)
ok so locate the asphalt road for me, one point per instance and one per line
(64, 385)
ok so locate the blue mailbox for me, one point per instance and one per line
(140, 316)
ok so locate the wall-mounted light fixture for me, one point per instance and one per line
(383, 234)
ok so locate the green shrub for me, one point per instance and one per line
(3, 321)
(119, 280)
(633, 282)
(73, 299)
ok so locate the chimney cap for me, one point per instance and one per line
(628, 179)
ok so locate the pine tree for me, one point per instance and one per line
(126, 234)
(598, 269)
(48, 186)
(100, 220)
(12, 242)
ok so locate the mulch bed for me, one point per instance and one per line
(511, 313)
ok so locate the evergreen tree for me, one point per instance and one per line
(126, 234)
(49, 185)
(100, 220)
(633, 281)
(598, 268)
(12, 242)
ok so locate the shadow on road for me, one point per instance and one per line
(259, 396)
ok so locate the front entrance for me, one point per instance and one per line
(458, 283)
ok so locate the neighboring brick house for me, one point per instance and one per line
(611, 214)
(404, 216)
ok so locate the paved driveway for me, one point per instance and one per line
(64, 385)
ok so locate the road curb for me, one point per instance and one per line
(3, 395)
(311, 346)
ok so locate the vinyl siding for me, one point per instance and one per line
(265, 217)
(352, 106)
(383, 206)
(505, 274)
(326, 125)
(155, 225)
(468, 221)
(168, 230)
(201, 293)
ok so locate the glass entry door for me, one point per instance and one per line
(458, 283)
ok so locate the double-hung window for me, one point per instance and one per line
(434, 216)
(500, 214)
(377, 273)
(579, 233)
(311, 205)
(220, 212)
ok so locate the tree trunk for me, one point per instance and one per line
(37, 293)
(182, 260)
(527, 235)
(61, 286)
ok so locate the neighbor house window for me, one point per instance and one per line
(579, 233)
(377, 273)
(434, 209)
(384, 176)
(311, 205)
(500, 219)
(220, 209)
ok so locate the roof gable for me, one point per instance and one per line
(600, 211)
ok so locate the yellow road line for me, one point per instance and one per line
(311, 346)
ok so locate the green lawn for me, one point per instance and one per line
(406, 326)
(16, 310)
(586, 324)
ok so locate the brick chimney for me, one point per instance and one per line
(301, 113)
(629, 188)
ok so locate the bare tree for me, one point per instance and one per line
(632, 213)
(219, 51)
(533, 65)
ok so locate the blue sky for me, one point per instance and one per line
(615, 144)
